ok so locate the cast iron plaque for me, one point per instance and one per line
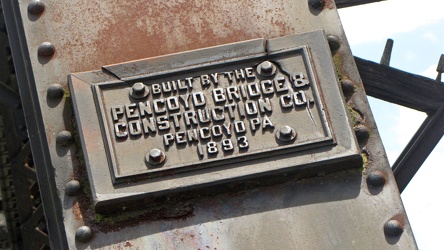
(212, 115)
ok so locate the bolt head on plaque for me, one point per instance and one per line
(286, 134)
(155, 157)
(266, 68)
(139, 90)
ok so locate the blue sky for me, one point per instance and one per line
(417, 28)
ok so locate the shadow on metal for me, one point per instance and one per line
(255, 203)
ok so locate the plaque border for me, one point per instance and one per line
(109, 196)
(98, 88)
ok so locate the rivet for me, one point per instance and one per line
(155, 156)
(266, 68)
(393, 228)
(348, 87)
(317, 4)
(46, 49)
(55, 91)
(36, 7)
(83, 234)
(286, 133)
(333, 42)
(362, 133)
(72, 188)
(64, 138)
(139, 90)
(376, 179)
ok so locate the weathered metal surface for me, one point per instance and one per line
(280, 103)
(321, 212)
(409, 90)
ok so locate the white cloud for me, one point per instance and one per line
(432, 37)
(379, 21)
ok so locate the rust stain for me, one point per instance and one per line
(90, 34)
(77, 212)
(329, 4)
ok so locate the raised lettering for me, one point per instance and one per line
(116, 112)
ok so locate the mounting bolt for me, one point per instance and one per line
(83, 234)
(155, 157)
(376, 179)
(46, 49)
(286, 133)
(333, 42)
(64, 138)
(266, 68)
(55, 91)
(393, 228)
(317, 4)
(72, 188)
(36, 7)
(139, 90)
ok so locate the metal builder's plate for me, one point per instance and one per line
(212, 115)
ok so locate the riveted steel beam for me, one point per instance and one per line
(400, 87)
(419, 148)
(25, 77)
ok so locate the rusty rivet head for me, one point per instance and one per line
(72, 188)
(139, 90)
(55, 91)
(333, 42)
(155, 156)
(376, 179)
(266, 68)
(393, 228)
(83, 234)
(46, 49)
(36, 7)
(286, 133)
(317, 4)
(64, 138)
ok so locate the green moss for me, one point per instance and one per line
(67, 94)
(115, 218)
(338, 65)
(364, 161)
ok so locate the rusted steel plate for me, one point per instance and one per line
(197, 123)
(324, 212)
